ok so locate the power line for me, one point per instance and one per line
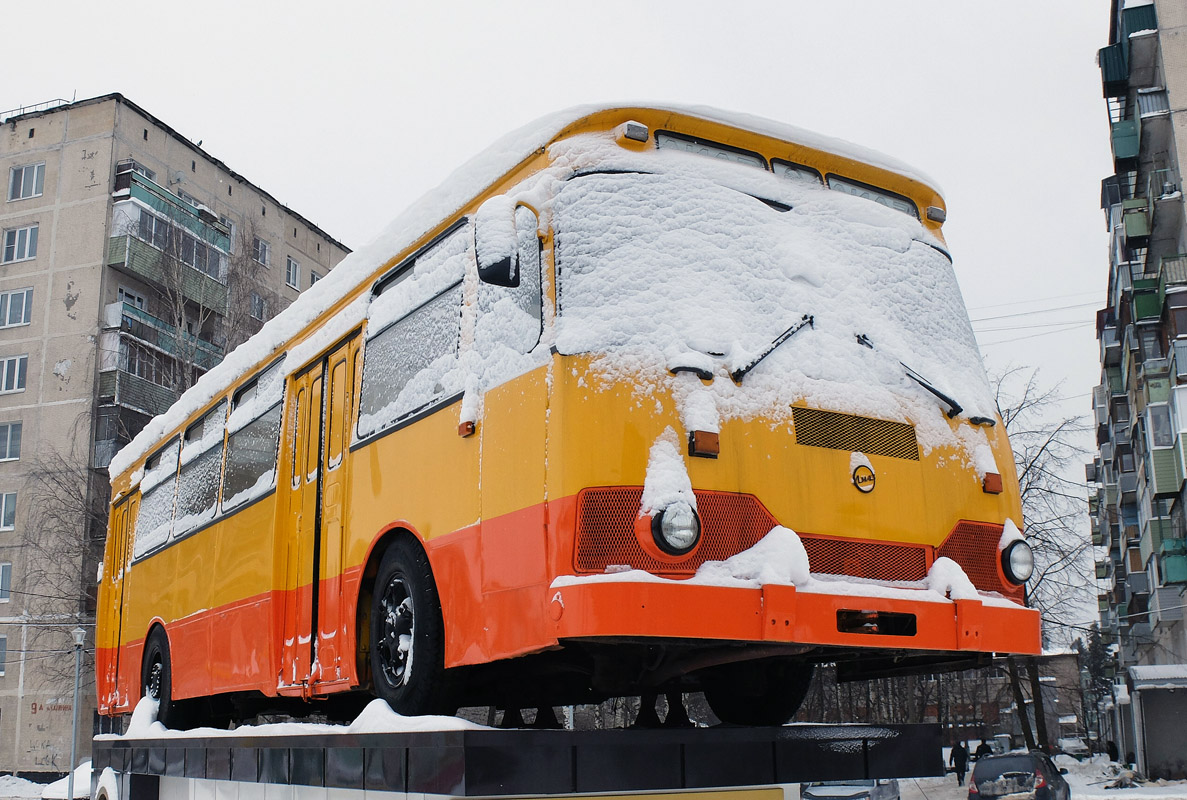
(1036, 325)
(1038, 311)
(1073, 326)
(1035, 300)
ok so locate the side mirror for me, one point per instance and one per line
(1063, 770)
(495, 243)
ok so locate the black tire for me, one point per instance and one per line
(408, 635)
(758, 692)
(156, 675)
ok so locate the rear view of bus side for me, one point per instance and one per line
(639, 400)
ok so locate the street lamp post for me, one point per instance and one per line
(80, 637)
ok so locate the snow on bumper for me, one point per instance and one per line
(824, 612)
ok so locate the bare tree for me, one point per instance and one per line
(1046, 448)
(61, 545)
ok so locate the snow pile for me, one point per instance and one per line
(60, 789)
(1010, 534)
(779, 557)
(11, 786)
(948, 579)
(378, 717)
(423, 215)
(667, 480)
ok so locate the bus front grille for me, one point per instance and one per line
(730, 523)
(883, 561)
(973, 545)
(878, 437)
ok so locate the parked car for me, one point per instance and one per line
(1021, 776)
(881, 789)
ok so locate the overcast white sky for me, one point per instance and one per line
(348, 111)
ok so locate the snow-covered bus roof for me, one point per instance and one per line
(428, 214)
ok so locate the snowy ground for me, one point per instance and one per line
(1087, 780)
(13, 788)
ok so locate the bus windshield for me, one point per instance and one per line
(661, 267)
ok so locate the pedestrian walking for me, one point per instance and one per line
(959, 761)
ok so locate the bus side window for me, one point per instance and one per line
(297, 434)
(513, 317)
(407, 365)
(158, 490)
(201, 471)
(336, 415)
(253, 441)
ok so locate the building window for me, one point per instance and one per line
(12, 373)
(130, 297)
(10, 441)
(20, 244)
(259, 308)
(5, 581)
(292, 273)
(313, 277)
(7, 511)
(16, 308)
(143, 363)
(186, 197)
(3, 653)
(260, 251)
(153, 230)
(26, 181)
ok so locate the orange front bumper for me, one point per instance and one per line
(776, 613)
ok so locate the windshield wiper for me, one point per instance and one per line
(954, 407)
(806, 321)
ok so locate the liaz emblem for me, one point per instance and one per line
(863, 479)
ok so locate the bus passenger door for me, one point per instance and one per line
(112, 607)
(301, 531)
(315, 630)
(329, 616)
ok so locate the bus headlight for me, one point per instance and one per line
(1018, 562)
(676, 529)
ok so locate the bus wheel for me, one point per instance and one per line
(758, 692)
(157, 678)
(407, 633)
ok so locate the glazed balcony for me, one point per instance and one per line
(160, 335)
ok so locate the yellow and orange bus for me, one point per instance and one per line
(641, 399)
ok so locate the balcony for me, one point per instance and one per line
(145, 261)
(1114, 69)
(1135, 217)
(123, 388)
(1137, 583)
(1147, 305)
(1127, 143)
(1110, 346)
(1128, 487)
(1172, 561)
(162, 336)
(1166, 605)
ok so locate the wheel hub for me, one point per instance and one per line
(395, 645)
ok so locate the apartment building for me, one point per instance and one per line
(1138, 498)
(131, 262)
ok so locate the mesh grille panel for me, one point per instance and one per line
(816, 428)
(730, 523)
(973, 545)
(862, 559)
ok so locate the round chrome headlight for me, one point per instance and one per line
(676, 529)
(1018, 562)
